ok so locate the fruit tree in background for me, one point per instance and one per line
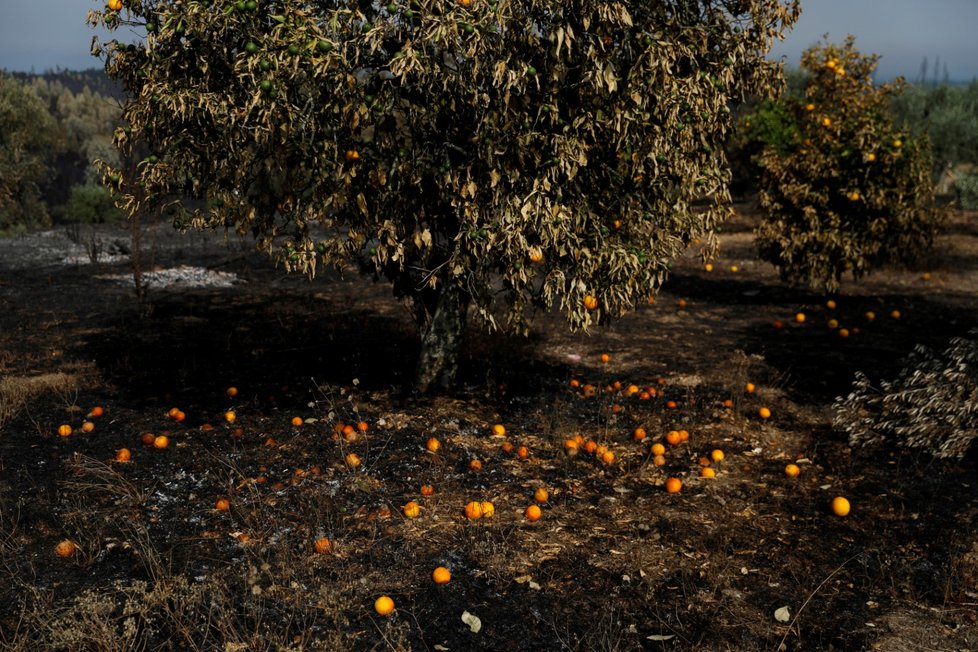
(843, 189)
(501, 155)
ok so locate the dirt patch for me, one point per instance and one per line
(615, 562)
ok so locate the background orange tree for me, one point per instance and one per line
(502, 155)
(843, 188)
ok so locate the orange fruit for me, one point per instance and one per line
(473, 510)
(777, 324)
(427, 490)
(571, 448)
(352, 460)
(535, 254)
(590, 302)
(499, 430)
(605, 357)
(830, 304)
(97, 411)
(441, 575)
(172, 413)
(88, 426)
(674, 438)
(659, 460)
(180, 416)
(707, 472)
(506, 447)
(728, 403)
(296, 421)
(488, 509)
(232, 391)
(682, 304)
(800, 317)
(541, 495)
(533, 513)
(123, 455)
(363, 426)
(148, 438)
(66, 548)
(764, 413)
(523, 452)
(870, 315)
(432, 445)
(230, 416)
(475, 465)
(717, 455)
(840, 506)
(792, 470)
(114, 5)
(590, 446)
(352, 155)
(672, 405)
(843, 333)
(64, 430)
(161, 441)
(608, 457)
(895, 314)
(323, 546)
(683, 435)
(222, 505)
(708, 267)
(384, 606)
(412, 509)
(674, 485)
(734, 268)
(832, 323)
(658, 449)
(750, 388)
(640, 434)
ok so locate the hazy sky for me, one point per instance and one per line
(43, 34)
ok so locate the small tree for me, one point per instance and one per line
(848, 190)
(506, 154)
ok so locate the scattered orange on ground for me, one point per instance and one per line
(473, 510)
(840, 506)
(123, 455)
(506, 447)
(639, 434)
(222, 505)
(608, 457)
(323, 546)
(717, 455)
(750, 388)
(384, 606)
(499, 430)
(792, 470)
(541, 495)
(658, 449)
(800, 317)
(232, 391)
(97, 411)
(707, 472)
(533, 513)
(427, 490)
(88, 426)
(475, 465)
(296, 421)
(230, 416)
(764, 413)
(432, 445)
(674, 485)
(674, 438)
(522, 452)
(64, 430)
(488, 509)
(659, 460)
(352, 460)
(895, 314)
(66, 548)
(161, 441)
(441, 575)
(412, 509)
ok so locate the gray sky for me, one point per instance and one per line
(43, 34)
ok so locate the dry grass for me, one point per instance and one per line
(17, 391)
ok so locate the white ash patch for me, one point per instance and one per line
(184, 276)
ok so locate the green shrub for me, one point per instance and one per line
(966, 188)
(93, 204)
(851, 191)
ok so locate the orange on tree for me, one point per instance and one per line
(448, 220)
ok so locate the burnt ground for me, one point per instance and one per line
(615, 562)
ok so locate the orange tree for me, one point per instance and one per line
(501, 155)
(843, 189)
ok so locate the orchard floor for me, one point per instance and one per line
(615, 562)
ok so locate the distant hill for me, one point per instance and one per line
(76, 81)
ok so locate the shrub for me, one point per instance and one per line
(852, 191)
(93, 204)
(966, 188)
(509, 156)
(932, 405)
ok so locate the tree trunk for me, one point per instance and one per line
(441, 342)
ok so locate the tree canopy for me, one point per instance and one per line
(508, 155)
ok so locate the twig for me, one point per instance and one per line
(811, 595)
